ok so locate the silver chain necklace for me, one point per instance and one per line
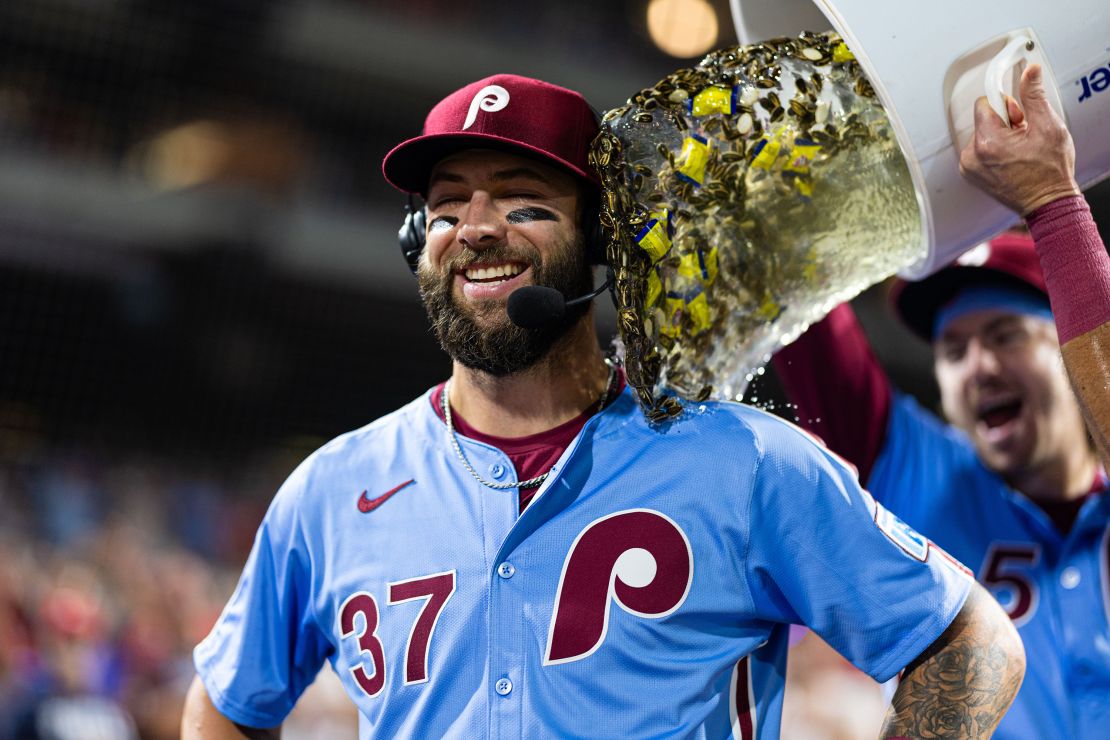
(531, 482)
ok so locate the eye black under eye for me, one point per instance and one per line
(442, 222)
(524, 215)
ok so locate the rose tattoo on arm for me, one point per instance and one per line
(965, 681)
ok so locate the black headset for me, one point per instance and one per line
(411, 235)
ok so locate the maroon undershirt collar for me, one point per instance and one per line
(531, 455)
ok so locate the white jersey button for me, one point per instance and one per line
(503, 686)
(497, 470)
(1070, 577)
(506, 570)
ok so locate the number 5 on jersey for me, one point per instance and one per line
(1005, 573)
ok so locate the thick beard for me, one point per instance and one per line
(497, 346)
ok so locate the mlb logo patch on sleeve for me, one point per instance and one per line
(902, 534)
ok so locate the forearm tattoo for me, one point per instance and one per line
(964, 682)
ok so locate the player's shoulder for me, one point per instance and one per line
(403, 434)
(414, 421)
(717, 426)
(784, 448)
(732, 418)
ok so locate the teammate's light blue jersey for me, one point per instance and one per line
(645, 591)
(1055, 588)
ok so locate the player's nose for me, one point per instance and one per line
(982, 363)
(481, 225)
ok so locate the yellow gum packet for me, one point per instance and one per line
(841, 53)
(714, 99)
(700, 265)
(804, 186)
(766, 151)
(697, 311)
(769, 309)
(810, 270)
(655, 237)
(692, 160)
(802, 155)
(654, 288)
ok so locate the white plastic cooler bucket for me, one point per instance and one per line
(929, 62)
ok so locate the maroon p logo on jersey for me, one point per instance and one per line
(638, 558)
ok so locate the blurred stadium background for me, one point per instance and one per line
(199, 283)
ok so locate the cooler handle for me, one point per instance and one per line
(1018, 50)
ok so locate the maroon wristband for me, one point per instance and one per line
(1075, 264)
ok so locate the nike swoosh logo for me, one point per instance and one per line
(366, 505)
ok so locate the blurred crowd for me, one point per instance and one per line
(110, 573)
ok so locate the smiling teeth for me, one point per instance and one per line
(489, 273)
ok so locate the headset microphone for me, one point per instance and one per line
(537, 306)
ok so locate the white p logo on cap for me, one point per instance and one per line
(490, 98)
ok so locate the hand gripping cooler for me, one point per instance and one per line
(928, 62)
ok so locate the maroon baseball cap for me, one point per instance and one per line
(506, 112)
(1008, 260)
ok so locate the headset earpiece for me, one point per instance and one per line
(411, 234)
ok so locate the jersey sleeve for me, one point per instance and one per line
(265, 648)
(841, 392)
(823, 553)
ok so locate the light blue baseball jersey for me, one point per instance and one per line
(1056, 588)
(646, 591)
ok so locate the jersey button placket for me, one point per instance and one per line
(1073, 596)
(507, 669)
(497, 471)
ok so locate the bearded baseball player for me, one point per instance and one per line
(519, 553)
(1012, 486)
